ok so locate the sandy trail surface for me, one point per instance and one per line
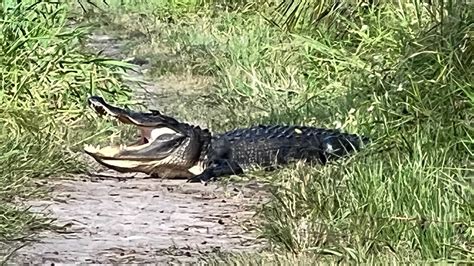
(112, 219)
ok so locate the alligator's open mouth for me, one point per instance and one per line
(158, 139)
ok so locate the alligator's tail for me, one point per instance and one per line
(342, 144)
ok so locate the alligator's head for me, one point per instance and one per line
(165, 148)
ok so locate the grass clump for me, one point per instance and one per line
(398, 73)
(45, 79)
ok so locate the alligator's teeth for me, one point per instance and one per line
(89, 148)
(110, 117)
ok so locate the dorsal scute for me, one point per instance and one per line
(278, 131)
(155, 112)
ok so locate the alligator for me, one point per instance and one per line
(168, 148)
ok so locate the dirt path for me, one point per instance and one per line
(142, 221)
(112, 218)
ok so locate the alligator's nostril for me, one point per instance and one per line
(99, 109)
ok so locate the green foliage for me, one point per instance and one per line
(399, 73)
(45, 79)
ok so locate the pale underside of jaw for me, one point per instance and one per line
(147, 136)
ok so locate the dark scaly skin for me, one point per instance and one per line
(235, 151)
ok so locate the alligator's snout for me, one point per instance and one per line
(94, 100)
(125, 116)
(97, 104)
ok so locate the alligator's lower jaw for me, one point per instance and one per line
(109, 157)
(166, 168)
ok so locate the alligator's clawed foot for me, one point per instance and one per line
(203, 178)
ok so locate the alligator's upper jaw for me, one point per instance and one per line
(153, 119)
(157, 140)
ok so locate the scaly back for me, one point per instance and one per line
(267, 145)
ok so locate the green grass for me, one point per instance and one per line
(45, 79)
(397, 72)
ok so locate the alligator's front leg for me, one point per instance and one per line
(216, 169)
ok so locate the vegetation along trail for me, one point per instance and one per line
(397, 72)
